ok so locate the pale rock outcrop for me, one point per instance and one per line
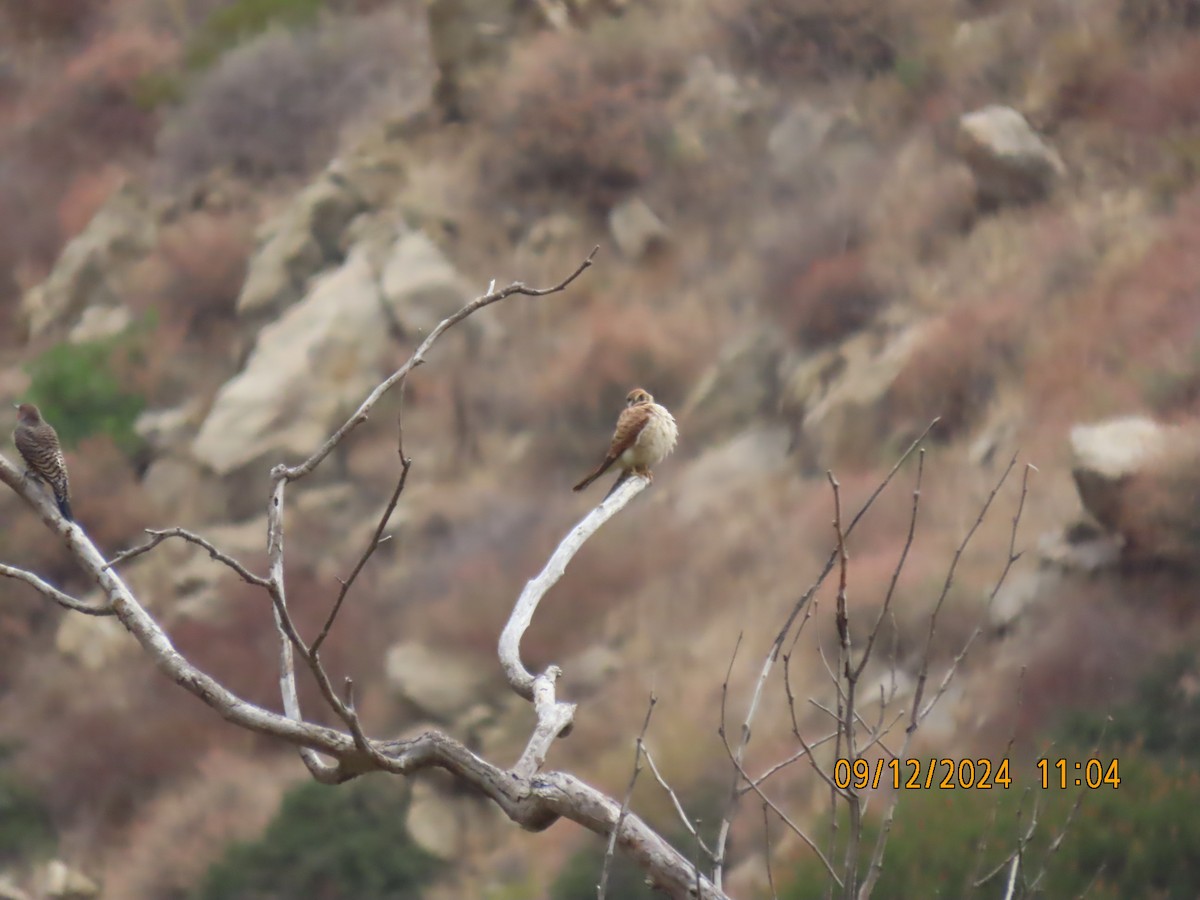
(1106, 455)
(306, 370)
(439, 683)
(1010, 161)
(298, 244)
(433, 822)
(99, 322)
(88, 272)
(821, 149)
(92, 642)
(167, 429)
(62, 882)
(837, 397)
(1020, 591)
(636, 229)
(421, 286)
(310, 368)
(10, 891)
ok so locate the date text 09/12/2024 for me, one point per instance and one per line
(947, 773)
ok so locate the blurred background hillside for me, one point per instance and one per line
(823, 223)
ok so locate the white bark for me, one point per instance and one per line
(528, 796)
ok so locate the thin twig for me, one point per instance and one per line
(602, 888)
(372, 545)
(292, 473)
(679, 810)
(1013, 557)
(800, 606)
(158, 535)
(862, 510)
(767, 851)
(1074, 811)
(52, 593)
(783, 817)
(923, 674)
(917, 713)
(805, 750)
(899, 567)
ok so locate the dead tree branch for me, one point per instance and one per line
(530, 797)
(52, 593)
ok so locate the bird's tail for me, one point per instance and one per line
(600, 470)
(64, 507)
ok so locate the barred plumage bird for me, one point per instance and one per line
(37, 442)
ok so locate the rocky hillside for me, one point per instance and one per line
(822, 225)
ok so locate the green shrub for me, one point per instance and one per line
(328, 843)
(25, 828)
(230, 25)
(581, 874)
(1162, 720)
(80, 394)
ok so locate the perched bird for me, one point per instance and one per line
(37, 442)
(645, 434)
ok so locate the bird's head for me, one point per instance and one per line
(638, 397)
(28, 414)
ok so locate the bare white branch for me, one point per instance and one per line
(518, 622)
(52, 593)
(528, 796)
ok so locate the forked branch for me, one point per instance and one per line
(532, 798)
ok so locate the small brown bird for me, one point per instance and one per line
(37, 442)
(645, 434)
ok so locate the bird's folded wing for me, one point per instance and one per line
(629, 425)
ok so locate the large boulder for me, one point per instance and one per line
(1106, 455)
(1140, 480)
(1010, 161)
(307, 371)
(434, 821)
(439, 683)
(310, 368)
(422, 287)
(298, 244)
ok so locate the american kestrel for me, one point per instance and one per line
(645, 434)
(37, 442)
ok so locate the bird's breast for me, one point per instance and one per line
(656, 439)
